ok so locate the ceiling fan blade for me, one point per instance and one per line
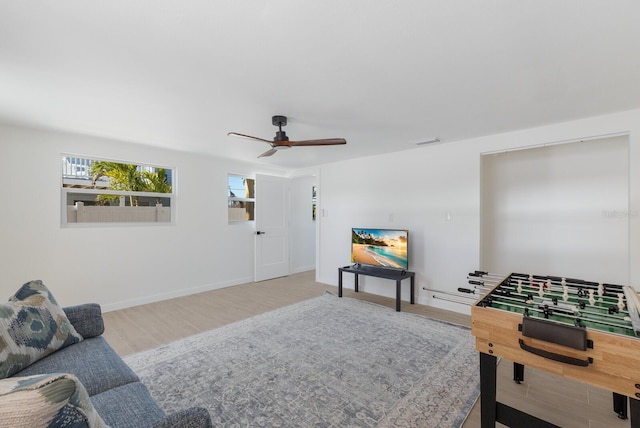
(268, 153)
(322, 142)
(250, 137)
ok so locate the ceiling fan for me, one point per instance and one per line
(281, 141)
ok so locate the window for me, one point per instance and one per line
(101, 191)
(240, 198)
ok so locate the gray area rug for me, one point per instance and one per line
(326, 362)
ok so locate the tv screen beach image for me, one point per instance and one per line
(380, 247)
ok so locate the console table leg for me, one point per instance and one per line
(355, 284)
(413, 287)
(398, 295)
(339, 283)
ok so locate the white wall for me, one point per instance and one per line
(558, 210)
(417, 189)
(303, 228)
(121, 266)
(117, 266)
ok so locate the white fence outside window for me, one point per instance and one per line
(87, 201)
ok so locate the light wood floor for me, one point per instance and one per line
(563, 402)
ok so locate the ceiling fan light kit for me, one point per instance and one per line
(281, 141)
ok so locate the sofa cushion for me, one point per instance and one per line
(93, 361)
(86, 319)
(55, 400)
(128, 406)
(32, 326)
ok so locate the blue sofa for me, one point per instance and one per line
(114, 389)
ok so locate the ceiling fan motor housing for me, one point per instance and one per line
(280, 121)
(281, 136)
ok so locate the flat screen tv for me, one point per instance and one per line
(380, 247)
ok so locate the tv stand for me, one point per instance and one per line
(394, 274)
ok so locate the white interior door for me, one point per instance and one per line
(272, 227)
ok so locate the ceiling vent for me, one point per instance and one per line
(431, 141)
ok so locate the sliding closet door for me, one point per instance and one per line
(558, 210)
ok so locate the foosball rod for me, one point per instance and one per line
(552, 281)
(595, 321)
(584, 311)
(555, 294)
(573, 282)
(476, 287)
(552, 291)
(547, 280)
(482, 290)
(451, 300)
(482, 274)
(449, 293)
(558, 308)
(631, 312)
(551, 287)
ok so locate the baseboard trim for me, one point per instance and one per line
(302, 269)
(172, 294)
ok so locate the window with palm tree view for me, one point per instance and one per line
(101, 191)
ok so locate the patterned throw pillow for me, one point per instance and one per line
(49, 400)
(32, 326)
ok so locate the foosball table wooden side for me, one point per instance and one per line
(612, 364)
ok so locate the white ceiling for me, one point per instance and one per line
(382, 74)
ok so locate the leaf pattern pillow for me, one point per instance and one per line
(32, 326)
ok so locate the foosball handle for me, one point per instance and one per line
(555, 357)
(478, 273)
(466, 290)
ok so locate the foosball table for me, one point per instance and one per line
(582, 330)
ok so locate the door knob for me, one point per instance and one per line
(260, 232)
